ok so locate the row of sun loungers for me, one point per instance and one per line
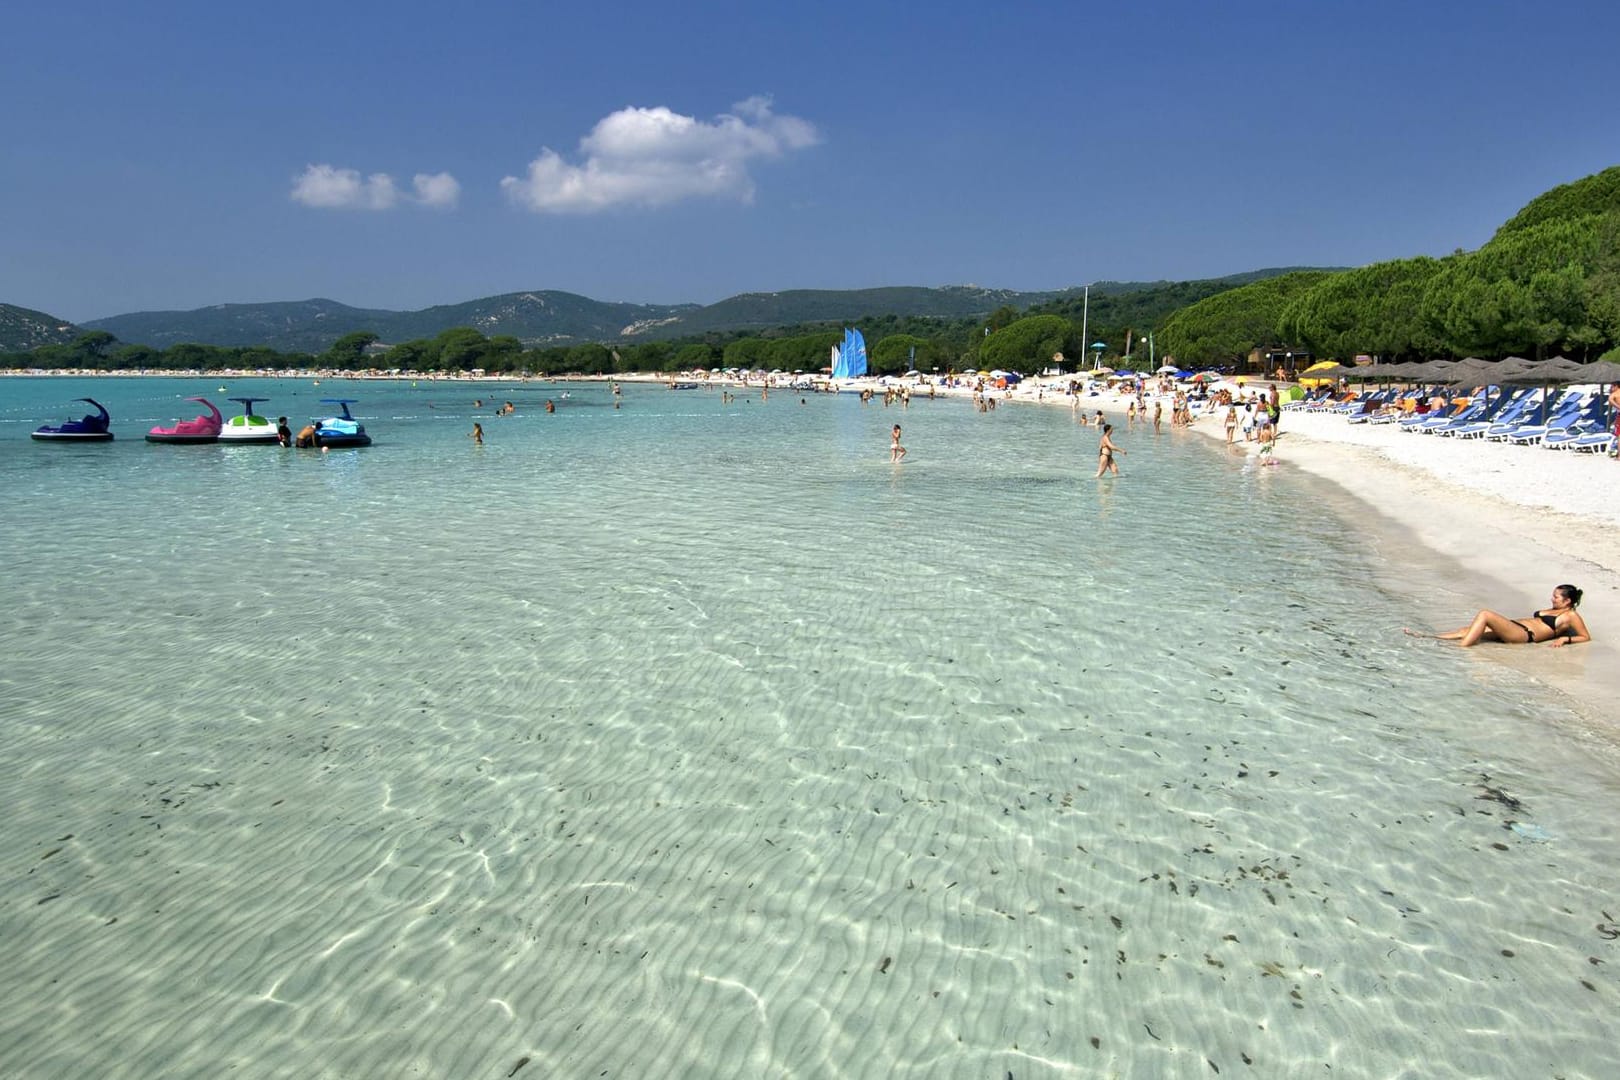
(1570, 419)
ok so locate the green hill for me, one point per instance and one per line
(1595, 194)
(551, 318)
(542, 317)
(292, 326)
(22, 329)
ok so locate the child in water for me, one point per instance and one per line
(896, 451)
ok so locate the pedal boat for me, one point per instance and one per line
(90, 429)
(203, 429)
(344, 430)
(249, 427)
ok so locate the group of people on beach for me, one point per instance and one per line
(1260, 419)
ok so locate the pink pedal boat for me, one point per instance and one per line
(204, 429)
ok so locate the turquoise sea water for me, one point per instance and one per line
(694, 739)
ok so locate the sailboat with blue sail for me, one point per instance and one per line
(850, 361)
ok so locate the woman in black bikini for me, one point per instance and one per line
(1106, 451)
(1558, 625)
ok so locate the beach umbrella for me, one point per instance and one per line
(1547, 374)
(1514, 371)
(1317, 374)
(1433, 370)
(1475, 368)
(1602, 372)
(1391, 372)
(1388, 373)
(1472, 372)
(1558, 371)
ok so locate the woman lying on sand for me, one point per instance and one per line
(1558, 625)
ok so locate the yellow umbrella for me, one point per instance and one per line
(1329, 370)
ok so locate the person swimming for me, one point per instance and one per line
(1558, 625)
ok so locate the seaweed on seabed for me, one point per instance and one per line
(1496, 794)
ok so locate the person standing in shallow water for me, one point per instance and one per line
(1106, 451)
(896, 451)
(477, 434)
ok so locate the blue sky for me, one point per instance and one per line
(399, 155)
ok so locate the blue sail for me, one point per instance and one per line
(851, 356)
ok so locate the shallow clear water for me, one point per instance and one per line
(695, 739)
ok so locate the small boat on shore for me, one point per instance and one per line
(203, 429)
(342, 430)
(91, 428)
(249, 427)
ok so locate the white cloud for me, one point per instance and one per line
(437, 190)
(652, 157)
(327, 187)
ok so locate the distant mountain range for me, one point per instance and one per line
(546, 317)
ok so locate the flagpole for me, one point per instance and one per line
(1085, 317)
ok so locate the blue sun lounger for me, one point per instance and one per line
(1587, 436)
(1561, 413)
(1476, 409)
(1573, 409)
(1510, 407)
(1368, 407)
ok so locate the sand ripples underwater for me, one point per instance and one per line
(687, 760)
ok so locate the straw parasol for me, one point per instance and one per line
(1602, 372)
(1431, 371)
(1554, 371)
(1547, 374)
(1472, 371)
(1391, 372)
